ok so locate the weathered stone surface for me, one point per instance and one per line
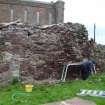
(99, 56)
(4, 78)
(42, 51)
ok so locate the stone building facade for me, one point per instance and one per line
(32, 12)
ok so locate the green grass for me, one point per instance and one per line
(15, 94)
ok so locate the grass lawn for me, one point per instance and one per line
(15, 94)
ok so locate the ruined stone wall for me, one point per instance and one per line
(41, 52)
(99, 57)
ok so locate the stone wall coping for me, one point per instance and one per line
(28, 3)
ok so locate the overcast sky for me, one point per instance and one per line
(87, 12)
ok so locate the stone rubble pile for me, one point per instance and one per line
(41, 51)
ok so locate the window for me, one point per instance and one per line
(12, 15)
(25, 16)
(50, 18)
(37, 18)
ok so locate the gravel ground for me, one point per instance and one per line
(74, 101)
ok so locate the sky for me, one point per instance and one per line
(86, 12)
